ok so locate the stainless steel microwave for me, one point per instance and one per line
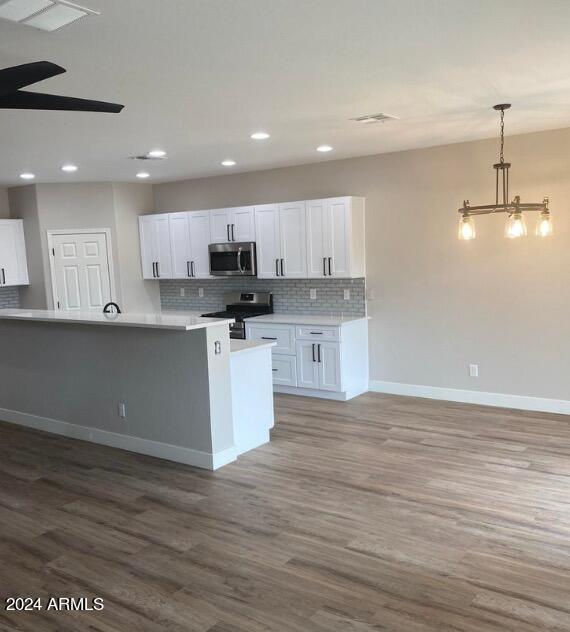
(233, 259)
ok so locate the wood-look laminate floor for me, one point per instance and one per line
(380, 514)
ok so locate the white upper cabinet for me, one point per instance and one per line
(292, 233)
(220, 226)
(13, 265)
(199, 226)
(155, 246)
(335, 237)
(232, 224)
(189, 239)
(180, 245)
(281, 241)
(268, 244)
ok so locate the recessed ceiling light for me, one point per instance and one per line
(259, 135)
(27, 176)
(156, 153)
(228, 163)
(69, 168)
(143, 174)
(324, 148)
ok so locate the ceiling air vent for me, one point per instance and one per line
(375, 118)
(47, 15)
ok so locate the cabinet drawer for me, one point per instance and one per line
(283, 335)
(318, 333)
(284, 369)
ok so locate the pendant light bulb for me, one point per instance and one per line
(516, 226)
(544, 225)
(466, 228)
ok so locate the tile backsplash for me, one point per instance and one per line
(9, 297)
(289, 295)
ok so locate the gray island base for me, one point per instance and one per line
(155, 384)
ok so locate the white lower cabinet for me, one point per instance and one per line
(284, 369)
(319, 361)
(307, 365)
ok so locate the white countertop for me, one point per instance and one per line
(176, 321)
(241, 346)
(306, 319)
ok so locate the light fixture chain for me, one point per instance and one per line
(501, 155)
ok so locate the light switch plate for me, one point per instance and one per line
(347, 295)
(201, 292)
(182, 292)
(370, 294)
(473, 370)
(313, 294)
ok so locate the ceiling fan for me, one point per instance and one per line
(17, 77)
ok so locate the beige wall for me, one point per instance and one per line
(78, 206)
(130, 201)
(440, 303)
(4, 203)
(24, 205)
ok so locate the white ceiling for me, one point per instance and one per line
(198, 76)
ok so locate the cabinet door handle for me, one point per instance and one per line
(233, 235)
(192, 268)
(275, 370)
(324, 266)
(153, 270)
(330, 271)
(268, 338)
(319, 352)
(282, 273)
(157, 271)
(228, 229)
(188, 271)
(316, 333)
(3, 276)
(313, 352)
(276, 267)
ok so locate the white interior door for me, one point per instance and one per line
(81, 271)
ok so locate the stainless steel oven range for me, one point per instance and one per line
(242, 305)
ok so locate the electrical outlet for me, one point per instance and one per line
(122, 410)
(313, 294)
(182, 292)
(201, 292)
(473, 370)
(347, 295)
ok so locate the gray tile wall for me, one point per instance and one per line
(289, 295)
(9, 297)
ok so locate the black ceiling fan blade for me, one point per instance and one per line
(16, 77)
(23, 100)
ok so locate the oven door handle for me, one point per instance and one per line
(239, 260)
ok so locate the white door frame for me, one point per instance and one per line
(81, 231)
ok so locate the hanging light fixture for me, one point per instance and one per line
(516, 226)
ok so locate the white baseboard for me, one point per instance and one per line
(502, 400)
(309, 392)
(179, 454)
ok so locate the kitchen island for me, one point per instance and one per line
(159, 384)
